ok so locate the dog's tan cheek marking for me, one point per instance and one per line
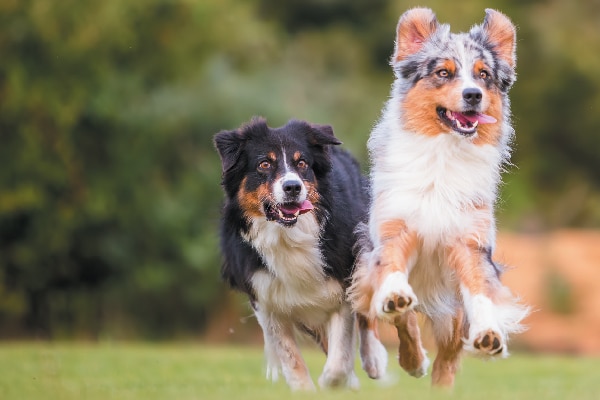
(491, 133)
(251, 201)
(419, 107)
(418, 110)
(312, 192)
(399, 243)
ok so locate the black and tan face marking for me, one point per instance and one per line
(454, 83)
(274, 172)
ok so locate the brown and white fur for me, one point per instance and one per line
(437, 154)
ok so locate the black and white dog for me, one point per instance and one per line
(292, 203)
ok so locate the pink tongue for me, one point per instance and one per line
(305, 207)
(482, 118)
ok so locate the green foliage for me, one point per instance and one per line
(109, 193)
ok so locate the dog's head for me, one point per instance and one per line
(274, 172)
(454, 83)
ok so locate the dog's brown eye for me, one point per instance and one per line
(264, 165)
(302, 164)
(483, 74)
(443, 73)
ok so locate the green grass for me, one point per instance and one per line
(199, 371)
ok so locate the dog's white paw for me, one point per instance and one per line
(373, 356)
(335, 378)
(486, 339)
(487, 343)
(394, 297)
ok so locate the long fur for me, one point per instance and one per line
(430, 236)
(292, 203)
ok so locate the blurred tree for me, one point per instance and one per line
(109, 190)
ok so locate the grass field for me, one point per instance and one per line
(199, 371)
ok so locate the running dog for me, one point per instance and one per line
(293, 201)
(437, 154)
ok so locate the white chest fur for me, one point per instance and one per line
(435, 184)
(295, 281)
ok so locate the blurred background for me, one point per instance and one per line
(110, 187)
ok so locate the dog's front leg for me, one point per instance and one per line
(341, 336)
(397, 253)
(373, 354)
(470, 263)
(282, 351)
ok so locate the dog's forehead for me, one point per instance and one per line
(460, 47)
(277, 142)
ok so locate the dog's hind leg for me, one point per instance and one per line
(341, 335)
(282, 351)
(411, 354)
(373, 354)
(449, 346)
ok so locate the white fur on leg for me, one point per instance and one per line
(282, 352)
(483, 320)
(341, 335)
(373, 355)
(394, 286)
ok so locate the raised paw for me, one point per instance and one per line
(396, 302)
(394, 297)
(489, 343)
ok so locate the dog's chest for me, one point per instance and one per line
(294, 280)
(435, 184)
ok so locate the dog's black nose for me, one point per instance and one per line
(292, 187)
(472, 96)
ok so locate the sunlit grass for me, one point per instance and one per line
(199, 371)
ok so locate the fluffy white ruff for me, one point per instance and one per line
(295, 283)
(432, 183)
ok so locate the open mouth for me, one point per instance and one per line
(287, 213)
(466, 122)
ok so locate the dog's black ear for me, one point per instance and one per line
(322, 135)
(229, 144)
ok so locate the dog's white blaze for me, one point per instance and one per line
(465, 74)
(278, 192)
